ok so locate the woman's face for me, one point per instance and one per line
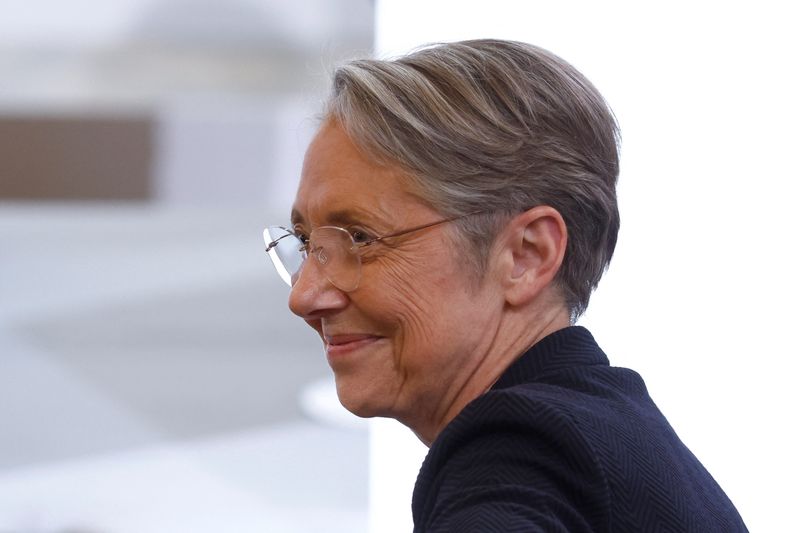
(407, 340)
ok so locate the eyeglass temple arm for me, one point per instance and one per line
(423, 226)
(274, 243)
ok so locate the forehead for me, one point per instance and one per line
(339, 182)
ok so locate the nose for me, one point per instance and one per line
(312, 295)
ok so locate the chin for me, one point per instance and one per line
(359, 405)
(358, 408)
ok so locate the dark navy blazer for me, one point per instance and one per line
(565, 442)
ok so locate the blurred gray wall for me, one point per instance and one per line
(181, 102)
(156, 318)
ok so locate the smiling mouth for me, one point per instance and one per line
(340, 345)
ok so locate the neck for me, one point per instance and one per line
(515, 334)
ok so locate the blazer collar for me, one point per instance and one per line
(568, 347)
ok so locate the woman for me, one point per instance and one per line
(458, 207)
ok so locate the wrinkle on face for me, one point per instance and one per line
(415, 317)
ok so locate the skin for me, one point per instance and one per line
(419, 338)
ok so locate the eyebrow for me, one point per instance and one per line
(342, 217)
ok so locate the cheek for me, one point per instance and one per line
(416, 297)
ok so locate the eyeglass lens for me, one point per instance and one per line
(333, 248)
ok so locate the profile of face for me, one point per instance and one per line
(407, 340)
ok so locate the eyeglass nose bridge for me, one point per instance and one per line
(321, 256)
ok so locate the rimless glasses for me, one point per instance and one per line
(337, 251)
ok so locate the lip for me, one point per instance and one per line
(337, 346)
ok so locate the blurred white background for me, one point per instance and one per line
(701, 295)
(151, 379)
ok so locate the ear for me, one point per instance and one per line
(534, 244)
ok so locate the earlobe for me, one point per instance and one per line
(536, 243)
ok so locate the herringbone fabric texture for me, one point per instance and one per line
(565, 442)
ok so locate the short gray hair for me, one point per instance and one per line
(497, 127)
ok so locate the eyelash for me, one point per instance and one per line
(303, 238)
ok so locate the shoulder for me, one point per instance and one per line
(542, 413)
(567, 453)
(579, 413)
(517, 458)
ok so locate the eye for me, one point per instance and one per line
(360, 236)
(303, 238)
